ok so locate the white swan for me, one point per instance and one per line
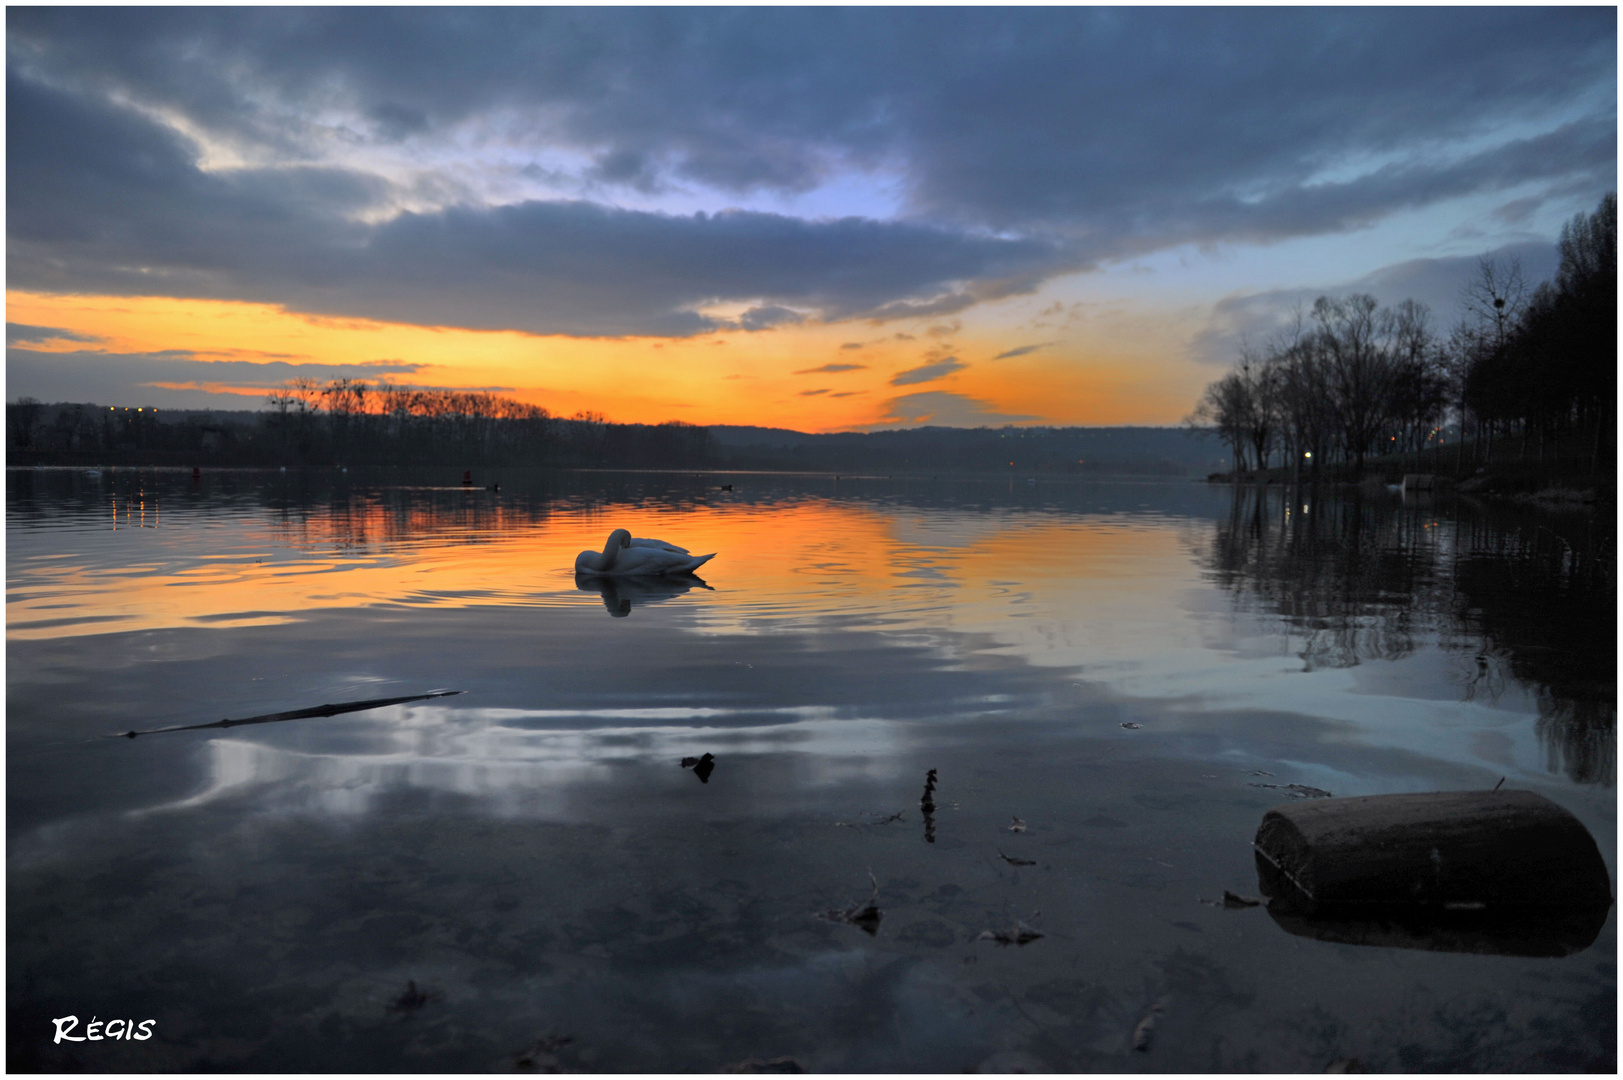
(624, 557)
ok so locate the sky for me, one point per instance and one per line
(818, 218)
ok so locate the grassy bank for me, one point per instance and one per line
(1560, 474)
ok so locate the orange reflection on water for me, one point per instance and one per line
(1074, 581)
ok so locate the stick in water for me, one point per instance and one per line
(296, 714)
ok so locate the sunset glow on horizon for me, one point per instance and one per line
(808, 378)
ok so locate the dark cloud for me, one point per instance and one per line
(813, 393)
(1022, 350)
(763, 318)
(183, 380)
(1024, 143)
(942, 409)
(851, 345)
(23, 334)
(940, 369)
(830, 369)
(396, 122)
(1130, 128)
(121, 207)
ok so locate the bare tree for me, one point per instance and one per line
(1495, 296)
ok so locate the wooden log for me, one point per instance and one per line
(1462, 850)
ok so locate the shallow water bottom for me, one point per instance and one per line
(480, 883)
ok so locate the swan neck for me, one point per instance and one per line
(618, 539)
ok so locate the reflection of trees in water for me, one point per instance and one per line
(365, 518)
(1514, 589)
(1540, 591)
(1340, 572)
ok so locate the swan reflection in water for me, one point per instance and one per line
(621, 594)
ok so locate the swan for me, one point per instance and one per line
(624, 557)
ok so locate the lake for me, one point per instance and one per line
(1112, 682)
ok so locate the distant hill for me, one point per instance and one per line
(85, 433)
(1139, 450)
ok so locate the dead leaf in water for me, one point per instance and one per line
(882, 821)
(1012, 861)
(1019, 934)
(1297, 791)
(412, 998)
(1141, 1033)
(542, 1054)
(864, 917)
(774, 1065)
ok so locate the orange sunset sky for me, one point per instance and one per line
(822, 219)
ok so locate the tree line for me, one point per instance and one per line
(351, 422)
(1534, 371)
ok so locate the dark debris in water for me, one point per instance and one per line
(1012, 861)
(702, 766)
(864, 917)
(1234, 901)
(1019, 934)
(412, 998)
(335, 709)
(1146, 1027)
(1297, 791)
(542, 1056)
(881, 821)
(1133, 727)
(768, 1065)
(1018, 826)
(927, 805)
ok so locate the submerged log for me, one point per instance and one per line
(1451, 850)
(1502, 931)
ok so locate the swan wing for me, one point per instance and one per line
(638, 561)
(643, 541)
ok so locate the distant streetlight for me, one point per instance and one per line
(1308, 455)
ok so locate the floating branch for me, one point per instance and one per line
(864, 917)
(296, 714)
(1297, 791)
(927, 804)
(1019, 934)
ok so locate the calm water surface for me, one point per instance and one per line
(444, 885)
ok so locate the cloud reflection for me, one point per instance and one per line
(500, 761)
